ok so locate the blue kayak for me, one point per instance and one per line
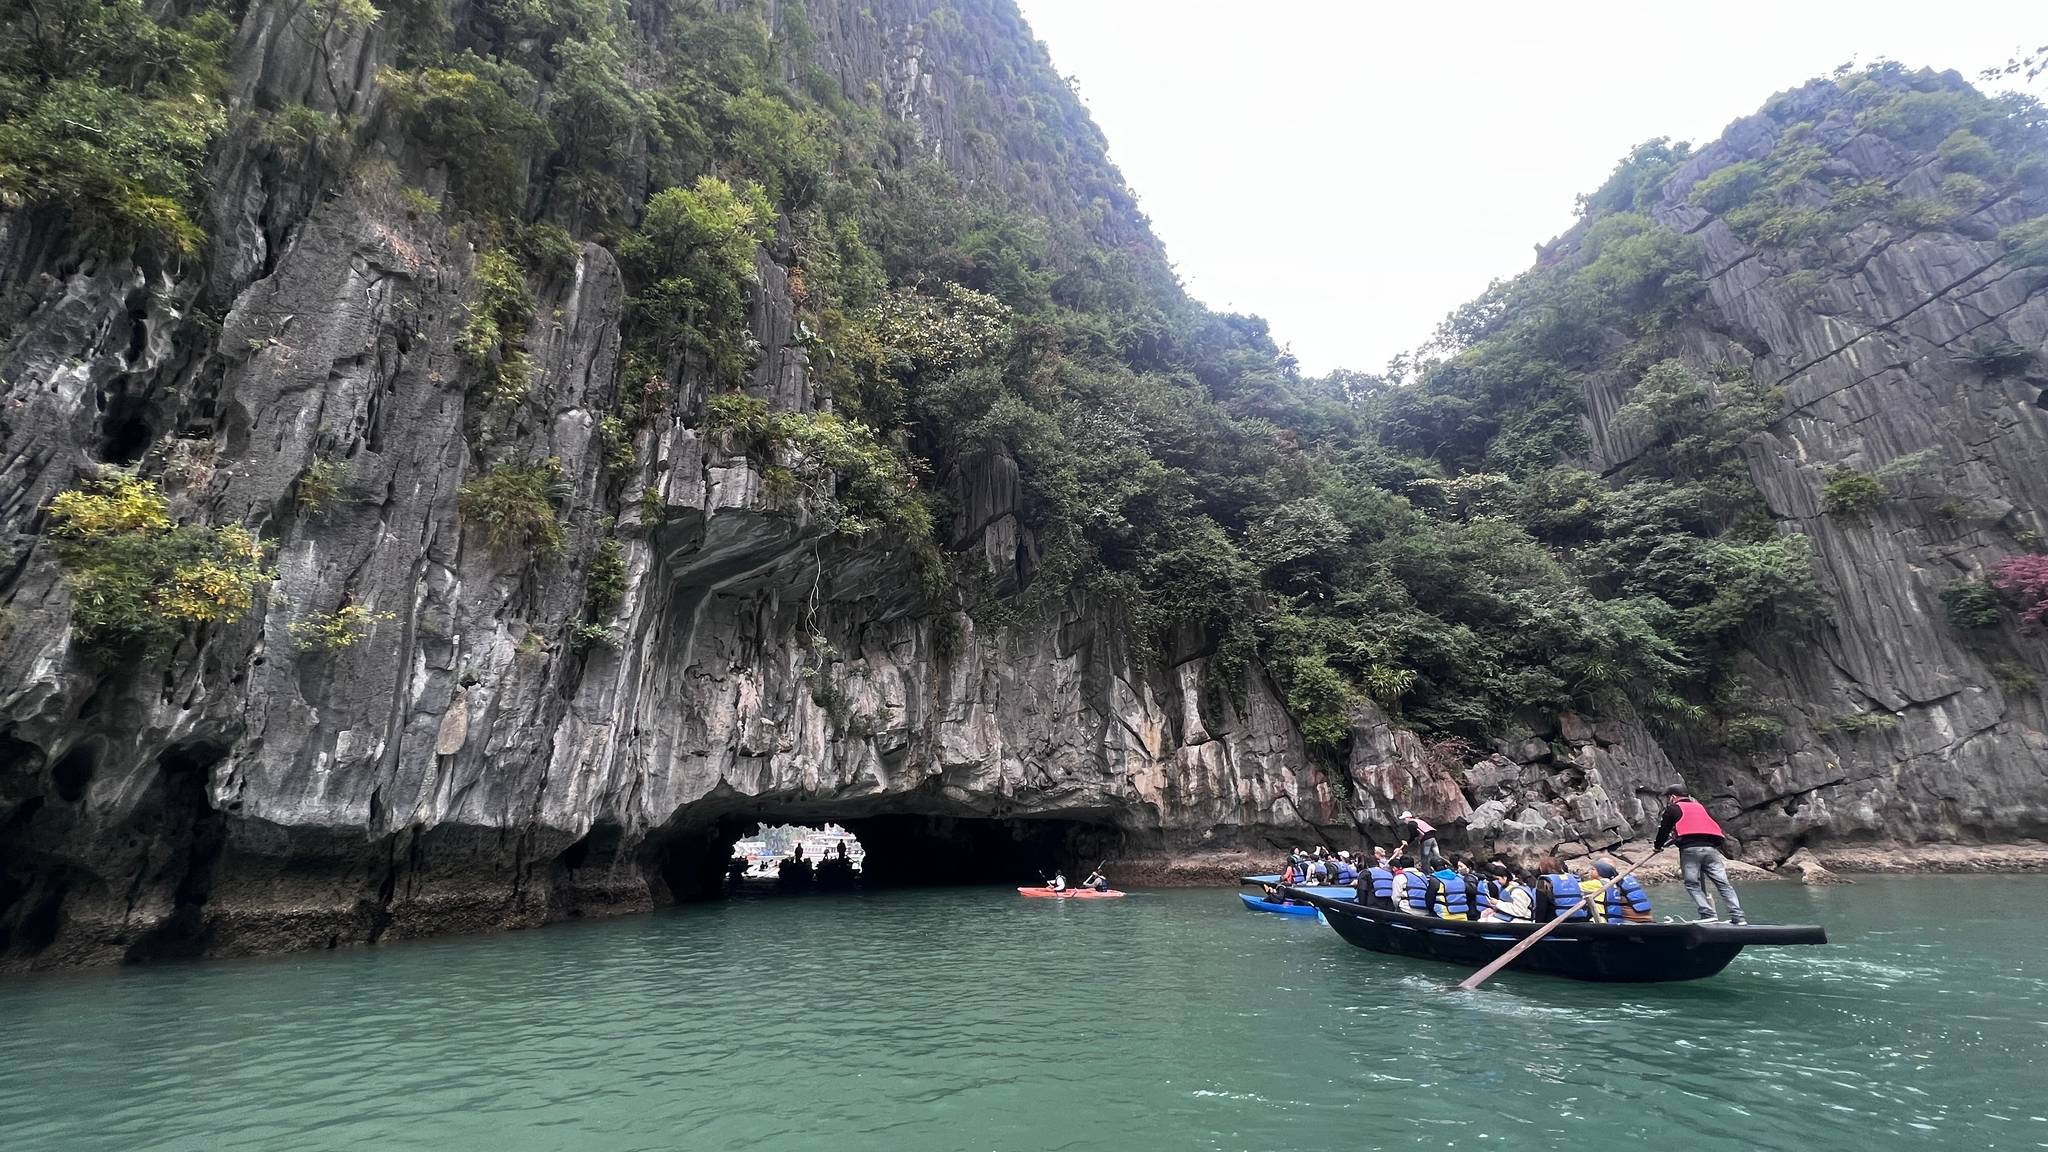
(1261, 904)
(1333, 891)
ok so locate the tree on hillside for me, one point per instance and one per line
(2024, 67)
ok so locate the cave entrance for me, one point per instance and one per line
(771, 850)
(898, 849)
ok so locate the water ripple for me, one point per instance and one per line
(971, 1019)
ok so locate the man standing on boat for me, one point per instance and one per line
(1700, 840)
(1423, 835)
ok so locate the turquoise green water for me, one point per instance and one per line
(972, 1019)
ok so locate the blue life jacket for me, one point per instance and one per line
(1346, 874)
(1418, 890)
(1507, 901)
(1565, 892)
(1620, 897)
(1382, 883)
(1452, 901)
(1482, 897)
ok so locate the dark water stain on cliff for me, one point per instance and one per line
(192, 833)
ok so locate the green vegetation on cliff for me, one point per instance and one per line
(1431, 539)
(106, 112)
(975, 289)
(137, 579)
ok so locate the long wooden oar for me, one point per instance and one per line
(1508, 957)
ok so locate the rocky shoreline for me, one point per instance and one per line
(1880, 859)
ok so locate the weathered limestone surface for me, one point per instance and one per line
(1867, 359)
(471, 766)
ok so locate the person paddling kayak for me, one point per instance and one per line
(1059, 882)
(1097, 881)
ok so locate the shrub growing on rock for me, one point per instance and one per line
(1970, 605)
(692, 260)
(494, 336)
(332, 631)
(472, 115)
(606, 583)
(1753, 732)
(547, 248)
(1965, 151)
(1729, 187)
(319, 484)
(1964, 189)
(2015, 677)
(1321, 700)
(510, 506)
(845, 475)
(2025, 578)
(136, 578)
(1995, 359)
(1848, 492)
(1858, 723)
(2026, 244)
(594, 636)
(617, 436)
(1926, 215)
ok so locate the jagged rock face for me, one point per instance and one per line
(471, 765)
(1896, 725)
(1868, 361)
(1591, 783)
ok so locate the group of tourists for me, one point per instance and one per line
(1319, 866)
(1427, 882)
(1502, 890)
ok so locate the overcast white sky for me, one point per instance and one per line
(1352, 171)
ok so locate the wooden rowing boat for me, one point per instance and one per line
(1634, 953)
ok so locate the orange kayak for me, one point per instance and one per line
(1070, 894)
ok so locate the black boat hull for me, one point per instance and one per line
(1626, 953)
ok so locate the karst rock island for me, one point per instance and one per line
(1527, 627)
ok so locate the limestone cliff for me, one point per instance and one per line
(470, 764)
(477, 760)
(1882, 718)
(1873, 356)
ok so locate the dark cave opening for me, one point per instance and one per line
(903, 849)
(126, 428)
(138, 328)
(71, 774)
